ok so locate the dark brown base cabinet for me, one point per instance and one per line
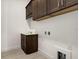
(29, 43)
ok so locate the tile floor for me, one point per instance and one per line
(19, 54)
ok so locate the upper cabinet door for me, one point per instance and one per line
(35, 9)
(71, 2)
(52, 6)
(38, 8)
(28, 10)
(41, 8)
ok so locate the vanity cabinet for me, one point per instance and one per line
(29, 43)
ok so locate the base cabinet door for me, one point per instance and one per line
(35, 43)
(23, 42)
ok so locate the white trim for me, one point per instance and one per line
(46, 54)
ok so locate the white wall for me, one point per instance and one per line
(13, 23)
(63, 30)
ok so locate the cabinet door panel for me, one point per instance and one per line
(53, 5)
(35, 43)
(23, 42)
(35, 9)
(28, 44)
(71, 2)
(29, 10)
(41, 8)
(31, 43)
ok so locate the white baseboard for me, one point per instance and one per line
(46, 54)
(10, 49)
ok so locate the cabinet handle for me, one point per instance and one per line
(58, 3)
(62, 2)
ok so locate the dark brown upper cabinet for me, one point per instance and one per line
(41, 9)
(38, 8)
(53, 6)
(29, 10)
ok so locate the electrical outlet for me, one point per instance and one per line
(48, 33)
